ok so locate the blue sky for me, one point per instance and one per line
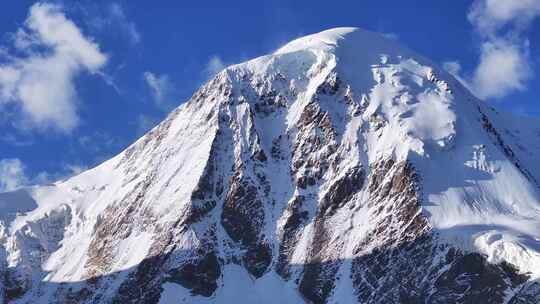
(81, 80)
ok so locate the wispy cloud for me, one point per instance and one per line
(145, 123)
(13, 140)
(12, 174)
(215, 65)
(504, 63)
(161, 88)
(110, 81)
(67, 170)
(453, 67)
(108, 18)
(391, 36)
(41, 83)
(118, 18)
(99, 143)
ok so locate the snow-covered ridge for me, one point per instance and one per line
(320, 41)
(340, 168)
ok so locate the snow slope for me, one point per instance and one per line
(474, 195)
(342, 167)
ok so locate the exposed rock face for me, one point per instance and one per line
(242, 218)
(528, 294)
(323, 173)
(33, 244)
(298, 217)
(507, 150)
(201, 277)
(410, 266)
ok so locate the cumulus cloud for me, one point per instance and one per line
(12, 175)
(504, 65)
(214, 66)
(161, 88)
(41, 83)
(504, 68)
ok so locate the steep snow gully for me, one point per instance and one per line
(342, 168)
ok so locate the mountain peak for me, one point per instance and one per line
(321, 40)
(342, 37)
(342, 168)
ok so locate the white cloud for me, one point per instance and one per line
(161, 88)
(118, 17)
(42, 83)
(504, 65)
(489, 16)
(214, 66)
(12, 175)
(504, 68)
(109, 80)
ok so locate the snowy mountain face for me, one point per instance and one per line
(342, 168)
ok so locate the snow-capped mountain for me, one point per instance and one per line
(342, 168)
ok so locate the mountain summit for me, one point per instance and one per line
(342, 168)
